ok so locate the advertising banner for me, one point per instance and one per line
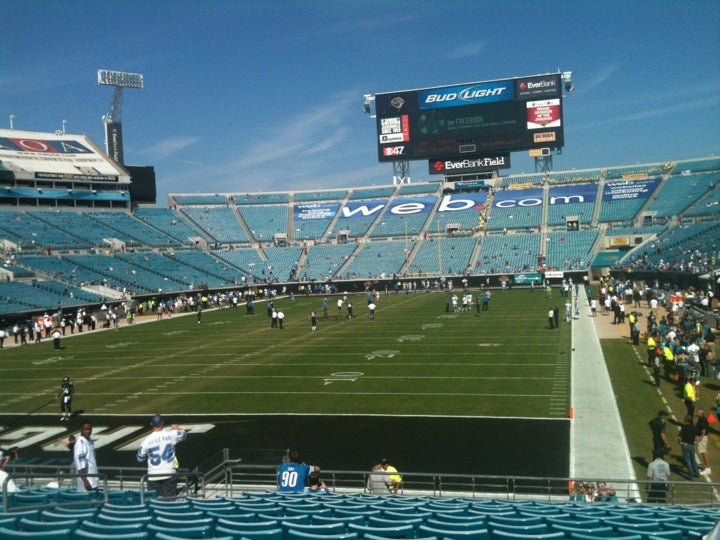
(469, 164)
(518, 198)
(637, 189)
(310, 211)
(580, 193)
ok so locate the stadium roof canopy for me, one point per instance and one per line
(58, 156)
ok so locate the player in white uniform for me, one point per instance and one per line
(158, 449)
(84, 459)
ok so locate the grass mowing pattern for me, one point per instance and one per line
(412, 359)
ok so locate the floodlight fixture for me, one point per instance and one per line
(120, 78)
(367, 104)
(112, 120)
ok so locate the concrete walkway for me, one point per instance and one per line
(598, 445)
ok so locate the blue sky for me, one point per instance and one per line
(242, 96)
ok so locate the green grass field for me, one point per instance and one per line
(412, 359)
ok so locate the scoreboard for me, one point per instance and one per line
(472, 119)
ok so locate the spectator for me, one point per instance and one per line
(293, 474)
(687, 438)
(393, 480)
(703, 427)
(315, 485)
(161, 464)
(658, 473)
(657, 426)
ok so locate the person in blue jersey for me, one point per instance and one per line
(293, 474)
(315, 485)
(158, 449)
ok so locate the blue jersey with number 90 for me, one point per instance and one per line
(292, 476)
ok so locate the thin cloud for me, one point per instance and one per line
(307, 133)
(597, 79)
(654, 112)
(170, 146)
(467, 50)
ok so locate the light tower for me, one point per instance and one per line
(112, 120)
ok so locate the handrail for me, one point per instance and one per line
(231, 477)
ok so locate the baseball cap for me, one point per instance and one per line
(157, 420)
(662, 413)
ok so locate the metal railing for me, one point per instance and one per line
(228, 477)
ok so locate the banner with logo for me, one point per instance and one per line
(469, 164)
(518, 198)
(634, 189)
(579, 193)
(311, 211)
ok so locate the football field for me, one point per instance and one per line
(414, 360)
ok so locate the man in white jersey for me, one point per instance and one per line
(84, 459)
(159, 450)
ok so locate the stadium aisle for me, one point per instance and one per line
(598, 447)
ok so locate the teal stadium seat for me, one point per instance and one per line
(62, 514)
(169, 506)
(300, 535)
(507, 535)
(130, 512)
(57, 534)
(515, 520)
(666, 535)
(109, 530)
(365, 513)
(230, 523)
(597, 530)
(271, 534)
(473, 534)
(172, 523)
(327, 520)
(519, 529)
(318, 530)
(399, 531)
(205, 531)
(187, 515)
(9, 522)
(233, 516)
(27, 524)
(114, 520)
(474, 523)
(375, 521)
(82, 498)
(578, 536)
(409, 514)
(81, 534)
(20, 499)
(456, 518)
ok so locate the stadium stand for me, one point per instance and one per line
(377, 259)
(219, 222)
(269, 515)
(372, 193)
(171, 222)
(266, 220)
(323, 261)
(312, 196)
(667, 213)
(509, 253)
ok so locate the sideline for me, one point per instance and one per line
(596, 416)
